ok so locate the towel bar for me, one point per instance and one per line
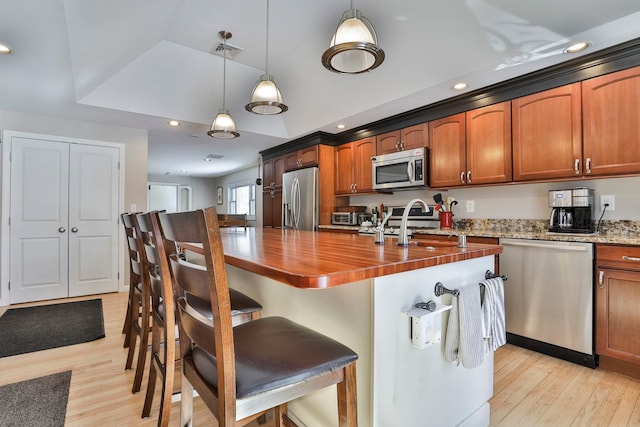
(439, 289)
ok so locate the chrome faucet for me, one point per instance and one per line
(379, 230)
(403, 239)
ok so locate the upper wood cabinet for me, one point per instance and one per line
(610, 116)
(353, 166)
(272, 170)
(471, 148)
(403, 139)
(447, 160)
(547, 134)
(303, 158)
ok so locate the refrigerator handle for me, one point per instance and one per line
(295, 201)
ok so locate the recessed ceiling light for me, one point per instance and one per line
(577, 47)
(173, 123)
(459, 86)
(5, 49)
(207, 159)
(340, 126)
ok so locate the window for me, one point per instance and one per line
(242, 200)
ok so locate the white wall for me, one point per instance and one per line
(245, 176)
(203, 190)
(521, 201)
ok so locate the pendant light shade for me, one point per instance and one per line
(266, 98)
(223, 126)
(354, 46)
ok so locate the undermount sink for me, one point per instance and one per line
(436, 243)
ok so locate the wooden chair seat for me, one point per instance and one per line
(244, 371)
(272, 353)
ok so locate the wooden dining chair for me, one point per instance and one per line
(139, 306)
(164, 337)
(242, 373)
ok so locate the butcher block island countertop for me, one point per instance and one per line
(358, 293)
(307, 259)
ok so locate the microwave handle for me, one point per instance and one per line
(411, 170)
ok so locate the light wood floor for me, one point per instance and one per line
(530, 389)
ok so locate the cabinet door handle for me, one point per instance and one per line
(601, 279)
(630, 258)
(468, 177)
(401, 145)
(355, 188)
(587, 165)
(462, 177)
(576, 166)
(397, 145)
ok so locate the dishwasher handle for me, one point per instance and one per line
(545, 246)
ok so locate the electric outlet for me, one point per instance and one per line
(134, 207)
(608, 199)
(471, 205)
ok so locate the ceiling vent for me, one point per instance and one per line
(227, 50)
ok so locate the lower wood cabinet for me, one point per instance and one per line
(617, 296)
(272, 208)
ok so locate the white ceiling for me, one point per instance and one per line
(139, 63)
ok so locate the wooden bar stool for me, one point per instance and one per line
(242, 373)
(139, 306)
(163, 337)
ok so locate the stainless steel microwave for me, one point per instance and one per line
(403, 169)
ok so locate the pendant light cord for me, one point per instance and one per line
(266, 60)
(224, 71)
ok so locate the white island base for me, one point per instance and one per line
(398, 384)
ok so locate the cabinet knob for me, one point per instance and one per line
(62, 230)
(74, 229)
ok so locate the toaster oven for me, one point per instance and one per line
(344, 218)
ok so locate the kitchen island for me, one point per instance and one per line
(357, 292)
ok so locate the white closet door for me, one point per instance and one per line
(39, 220)
(93, 219)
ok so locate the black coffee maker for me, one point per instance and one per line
(572, 211)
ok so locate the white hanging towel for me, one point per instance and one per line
(464, 341)
(493, 325)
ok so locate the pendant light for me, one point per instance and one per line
(266, 98)
(354, 46)
(223, 126)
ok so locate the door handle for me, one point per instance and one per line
(62, 229)
(74, 229)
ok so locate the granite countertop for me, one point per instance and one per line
(624, 232)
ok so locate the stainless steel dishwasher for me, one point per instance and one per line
(549, 297)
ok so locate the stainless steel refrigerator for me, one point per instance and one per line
(300, 208)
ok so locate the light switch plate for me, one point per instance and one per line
(471, 205)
